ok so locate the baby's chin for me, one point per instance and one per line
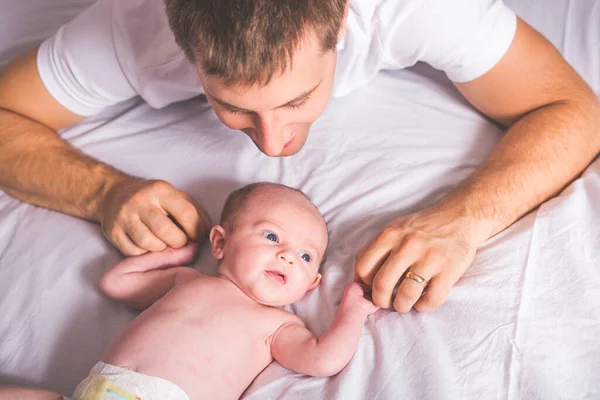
(278, 303)
(275, 301)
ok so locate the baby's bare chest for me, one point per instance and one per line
(215, 325)
(200, 336)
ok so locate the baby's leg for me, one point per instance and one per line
(24, 393)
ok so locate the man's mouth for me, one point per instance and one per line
(278, 276)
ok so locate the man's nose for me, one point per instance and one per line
(271, 135)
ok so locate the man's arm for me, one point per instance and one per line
(554, 133)
(297, 349)
(140, 281)
(32, 154)
(38, 167)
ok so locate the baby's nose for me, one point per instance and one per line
(286, 258)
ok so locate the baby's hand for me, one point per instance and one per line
(354, 299)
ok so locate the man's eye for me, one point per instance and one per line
(271, 236)
(305, 257)
(298, 105)
(233, 110)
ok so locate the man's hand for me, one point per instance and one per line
(433, 244)
(140, 215)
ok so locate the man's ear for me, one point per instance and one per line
(217, 241)
(344, 22)
(315, 282)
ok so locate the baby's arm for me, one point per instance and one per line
(296, 348)
(141, 280)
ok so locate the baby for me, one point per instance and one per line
(208, 337)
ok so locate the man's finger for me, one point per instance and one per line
(371, 258)
(392, 270)
(164, 229)
(206, 221)
(436, 294)
(186, 213)
(410, 290)
(142, 236)
(125, 245)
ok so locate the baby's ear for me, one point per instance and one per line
(217, 241)
(315, 282)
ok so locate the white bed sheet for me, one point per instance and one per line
(522, 323)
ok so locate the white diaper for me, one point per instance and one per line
(109, 382)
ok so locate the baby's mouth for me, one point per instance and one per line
(277, 275)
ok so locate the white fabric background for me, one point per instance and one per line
(522, 323)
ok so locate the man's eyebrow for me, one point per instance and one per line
(297, 98)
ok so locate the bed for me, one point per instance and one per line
(523, 322)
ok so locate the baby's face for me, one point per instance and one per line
(275, 250)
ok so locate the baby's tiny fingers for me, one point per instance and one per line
(355, 289)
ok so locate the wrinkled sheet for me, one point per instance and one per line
(523, 322)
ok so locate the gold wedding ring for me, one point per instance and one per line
(416, 277)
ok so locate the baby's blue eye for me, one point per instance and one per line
(271, 236)
(305, 257)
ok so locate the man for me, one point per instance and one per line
(267, 68)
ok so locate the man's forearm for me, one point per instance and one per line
(39, 167)
(539, 156)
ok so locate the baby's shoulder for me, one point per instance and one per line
(282, 317)
(269, 319)
(191, 275)
(195, 284)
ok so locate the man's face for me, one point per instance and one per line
(278, 116)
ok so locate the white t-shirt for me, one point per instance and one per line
(118, 49)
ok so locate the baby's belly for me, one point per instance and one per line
(207, 362)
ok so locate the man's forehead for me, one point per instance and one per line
(307, 53)
(278, 93)
(307, 69)
(298, 98)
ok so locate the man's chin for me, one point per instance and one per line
(289, 152)
(294, 147)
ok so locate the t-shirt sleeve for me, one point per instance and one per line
(79, 65)
(463, 38)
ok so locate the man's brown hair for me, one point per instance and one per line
(249, 41)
